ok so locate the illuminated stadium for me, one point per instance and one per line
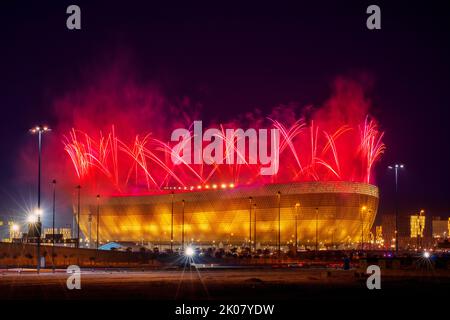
(337, 211)
(323, 174)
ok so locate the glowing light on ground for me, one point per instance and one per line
(189, 252)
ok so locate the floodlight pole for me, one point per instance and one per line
(53, 224)
(279, 222)
(39, 130)
(98, 220)
(38, 225)
(182, 226)
(254, 226)
(297, 206)
(171, 228)
(396, 167)
(250, 199)
(362, 210)
(317, 229)
(78, 216)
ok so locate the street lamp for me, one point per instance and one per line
(182, 225)
(396, 167)
(32, 218)
(254, 226)
(250, 199)
(78, 216)
(420, 228)
(189, 252)
(317, 230)
(89, 239)
(98, 219)
(297, 207)
(171, 228)
(279, 222)
(53, 224)
(370, 233)
(363, 209)
(39, 130)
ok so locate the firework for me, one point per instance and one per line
(346, 153)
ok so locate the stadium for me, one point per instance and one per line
(331, 213)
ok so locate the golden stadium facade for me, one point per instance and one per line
(334, 212)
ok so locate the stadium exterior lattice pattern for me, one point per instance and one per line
(337, 211)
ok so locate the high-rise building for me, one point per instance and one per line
(440, 228)
(417, 225)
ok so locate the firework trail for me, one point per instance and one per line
(153, 170)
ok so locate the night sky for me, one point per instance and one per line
(231, 58)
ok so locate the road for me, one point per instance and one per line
(223, 284)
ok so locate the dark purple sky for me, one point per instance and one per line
(232, 58)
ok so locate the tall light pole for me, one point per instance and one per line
(182, 225)
(98, 220)
(297, 206)
(171, 229)
(317, 229)
(363, 209)
(53, 224)
(250, 199)
(396, 167)
(78, 216)
(254, 226)
(39, 130)
(279, 222)
(370, 233)
(419, 233)
(90, 230)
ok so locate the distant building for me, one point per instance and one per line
(417, 228)
(417, 225)
(440, 227)
(65, 232)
